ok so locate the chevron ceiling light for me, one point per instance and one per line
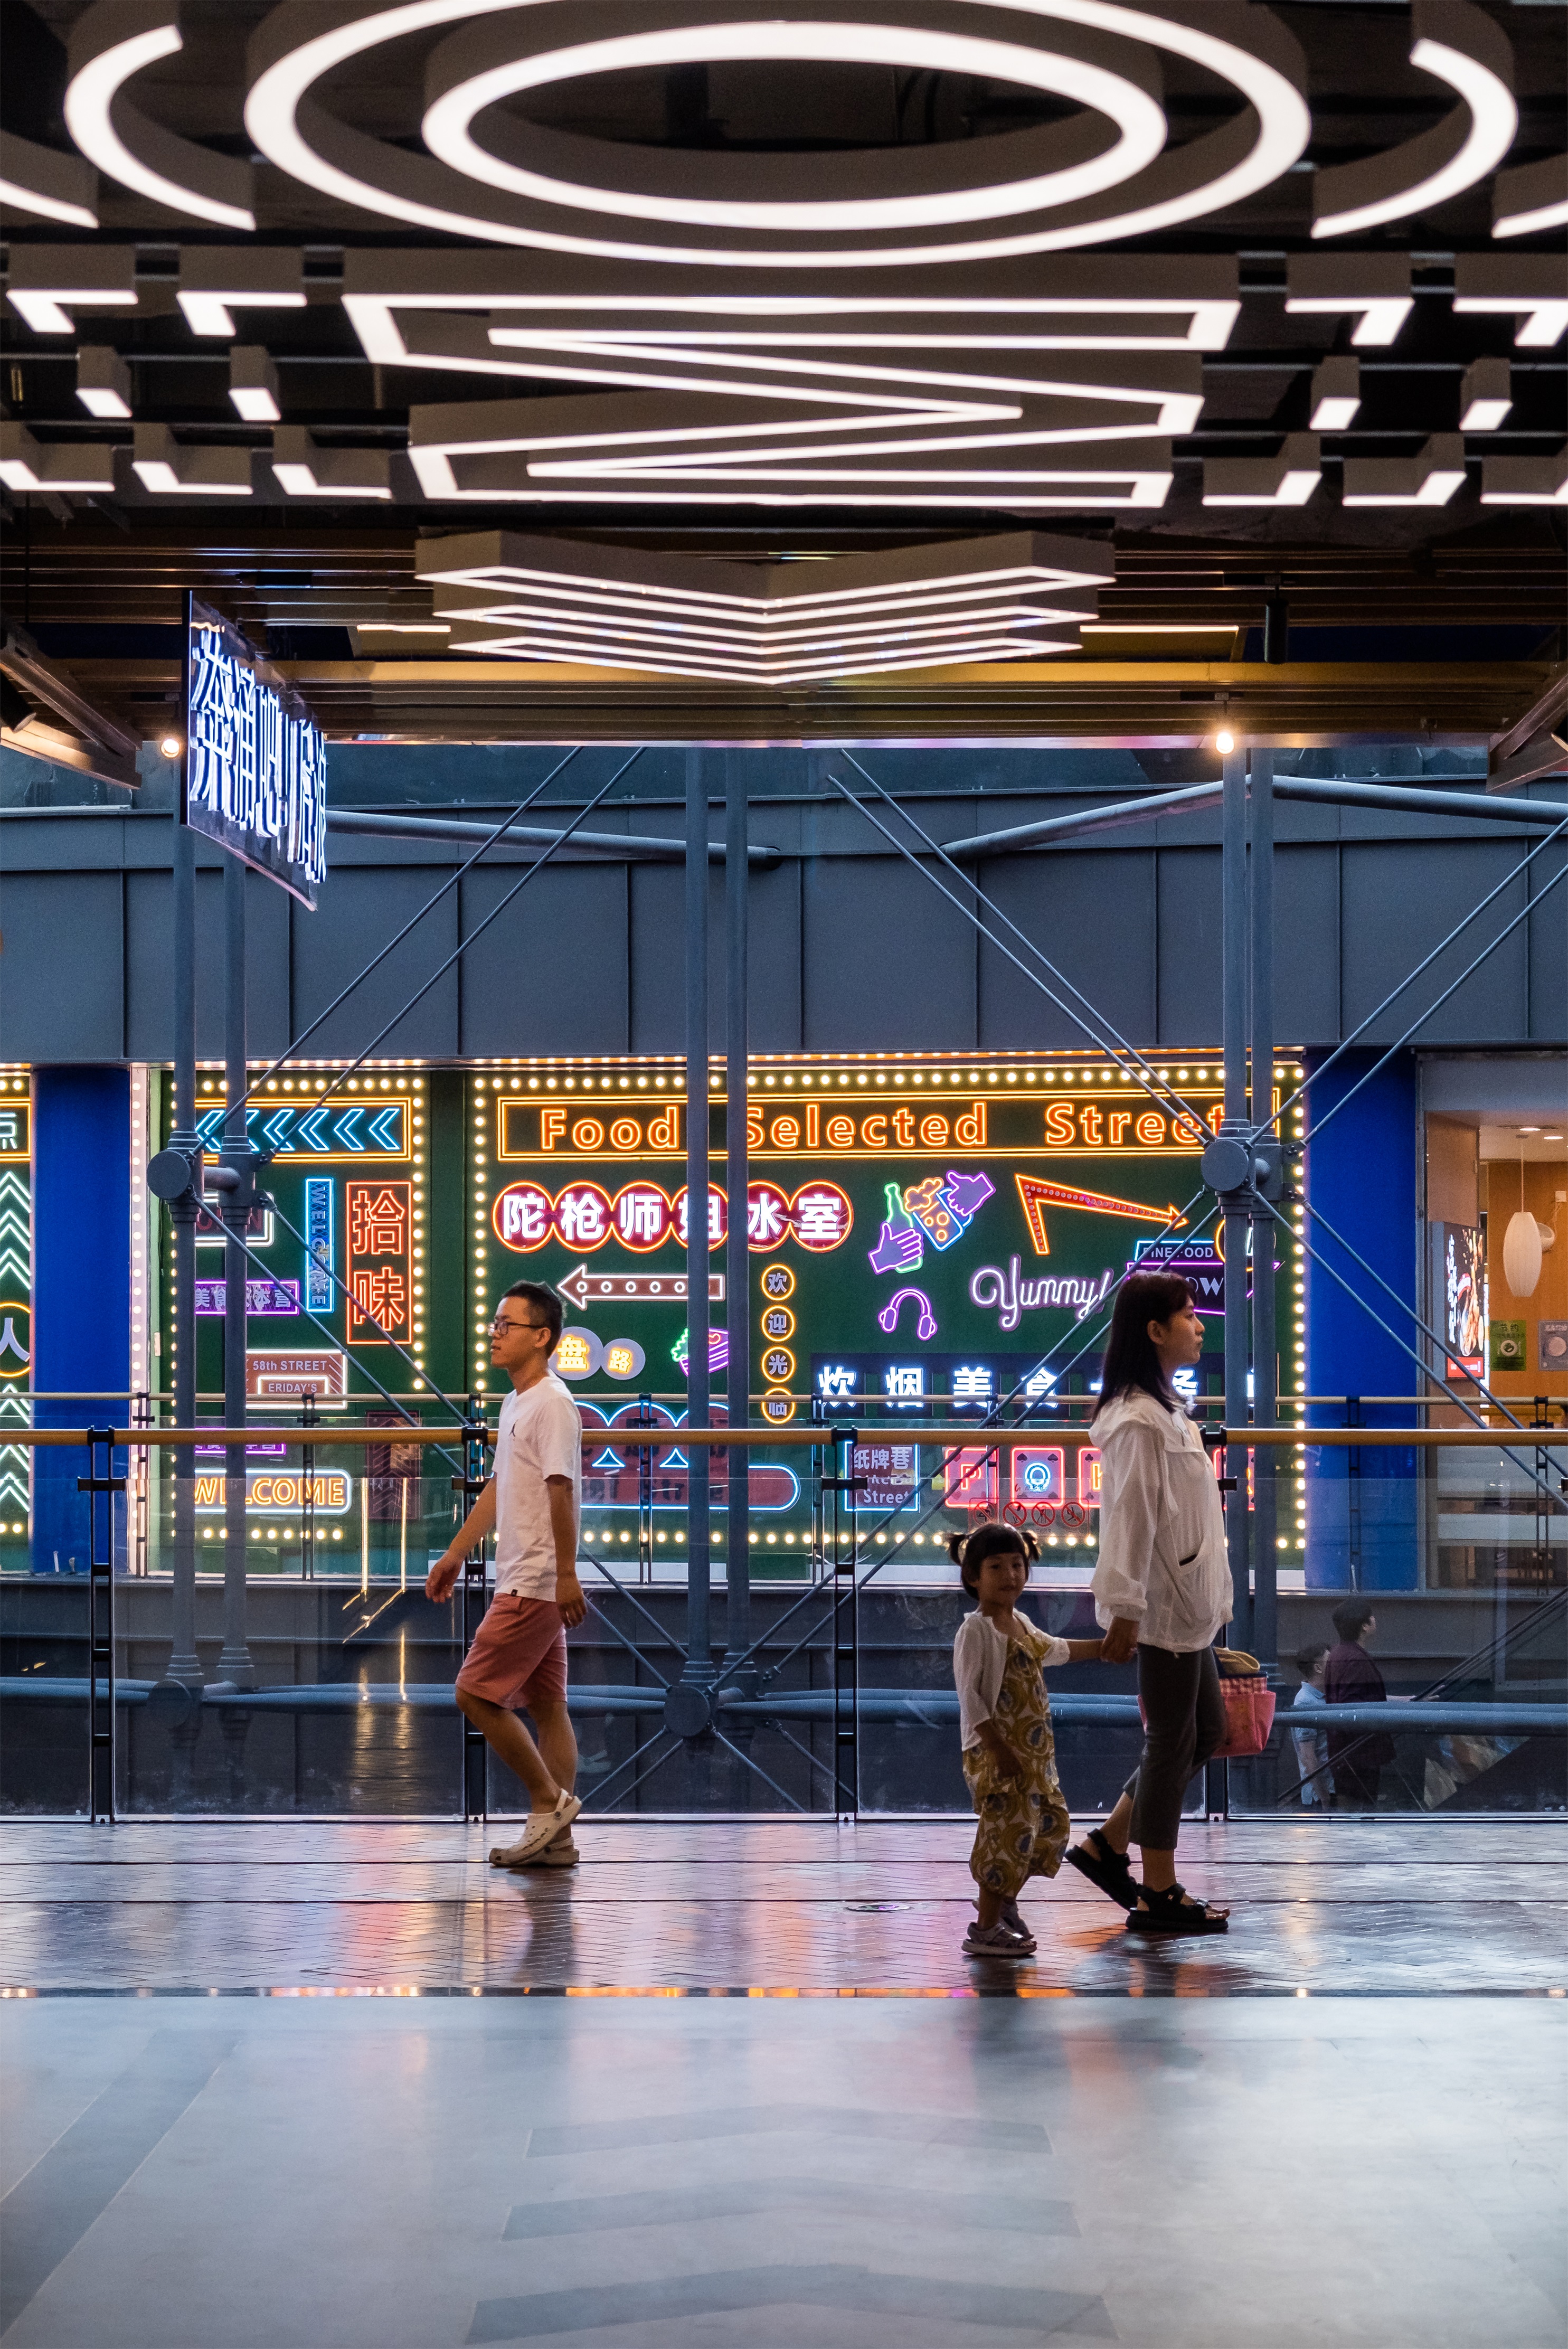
(1018, 597)
(1107, 171)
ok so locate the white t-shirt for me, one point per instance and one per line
(980, 1659)
(539, 1434)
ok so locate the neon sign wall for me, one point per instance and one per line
(15, 1297)
(933, 1189)
(351, 1175)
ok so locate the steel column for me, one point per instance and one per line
(1237, 1225)
(234, 1662)
(101, 1484)
(699, 1667)
(737, 1315)
(184, 1665)
(1265, 1360)
(472, 1594)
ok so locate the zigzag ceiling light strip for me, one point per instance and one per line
(1014, 597)
(1045, 387)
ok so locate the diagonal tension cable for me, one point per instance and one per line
(1134, 1065)
(1459, 1400)
(1495, 1401)
(816, 1588)
(429, 907)
(398, 1402)
(477, 932)
(1417, 1024)
(340, 1284)
(1409, 980)
(456, 956)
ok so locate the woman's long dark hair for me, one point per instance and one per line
(1130, 1359)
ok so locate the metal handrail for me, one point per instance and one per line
(1055, 1401)
(971, 1436)
(925, 1707)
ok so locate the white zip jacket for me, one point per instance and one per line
(1163, 1558)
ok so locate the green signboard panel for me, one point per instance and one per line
(926, 1237)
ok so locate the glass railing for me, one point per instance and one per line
(316, 1677)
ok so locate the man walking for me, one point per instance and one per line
(533, 1504)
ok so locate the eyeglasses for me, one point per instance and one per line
(498, 1325)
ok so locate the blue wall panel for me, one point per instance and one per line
(1362, 1528)
(81, 1289)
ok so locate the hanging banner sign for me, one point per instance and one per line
(255, 764)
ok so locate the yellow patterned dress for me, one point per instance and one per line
(1024, 1824)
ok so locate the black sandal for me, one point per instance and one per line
(1171, 1912)
(1109, 1870)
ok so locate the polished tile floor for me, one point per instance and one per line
(1334, 1905)
(1379, 2162)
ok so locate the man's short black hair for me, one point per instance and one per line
(547, 1306)
(1352, 1619)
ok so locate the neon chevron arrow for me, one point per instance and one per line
(310, 1134)
(347, 1123)
(381, 1132)
(277, 1126)
(1036, 1195)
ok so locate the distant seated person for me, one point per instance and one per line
(1355, 1757)
(1311, 1743)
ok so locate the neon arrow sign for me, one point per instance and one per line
(1036, 1195)
(586, 1288)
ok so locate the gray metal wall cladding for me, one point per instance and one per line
(850, 950)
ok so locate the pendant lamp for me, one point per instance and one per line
(1522, 1253)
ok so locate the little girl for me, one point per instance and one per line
(1009, 1753)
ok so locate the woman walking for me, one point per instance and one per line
(1162, 1589)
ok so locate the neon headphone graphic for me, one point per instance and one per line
(888, 1317)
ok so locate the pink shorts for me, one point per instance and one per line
(518, 1653)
